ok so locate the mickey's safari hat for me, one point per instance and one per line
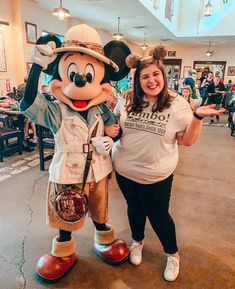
(83, 38)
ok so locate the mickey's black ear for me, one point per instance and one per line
(117, 51)
(44, 40)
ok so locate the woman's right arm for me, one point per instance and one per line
(193, 130)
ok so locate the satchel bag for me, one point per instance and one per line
(71, 205)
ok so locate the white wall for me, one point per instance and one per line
(6, 14)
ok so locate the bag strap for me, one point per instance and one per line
(88, 160)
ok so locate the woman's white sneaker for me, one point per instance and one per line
(172, 268)
(136, 253)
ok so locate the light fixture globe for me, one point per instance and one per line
(208, 9)
(144, 46)
(61, 12)
(118, 35)
(209, 52)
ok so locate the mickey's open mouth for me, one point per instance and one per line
(80, 103)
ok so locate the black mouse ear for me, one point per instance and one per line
(117, 51)
(57, 43)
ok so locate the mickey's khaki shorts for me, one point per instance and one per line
(97, 194)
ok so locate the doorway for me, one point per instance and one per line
(202, 67)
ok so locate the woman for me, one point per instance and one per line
(146, 155)
(187, 94)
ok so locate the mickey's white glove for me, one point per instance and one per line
(43, 54)
(102, 144)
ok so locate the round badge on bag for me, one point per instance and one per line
(71, 205)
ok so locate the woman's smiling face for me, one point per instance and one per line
(151, 80)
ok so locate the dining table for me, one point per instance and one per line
(14, 113)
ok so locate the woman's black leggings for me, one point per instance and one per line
(152, 201)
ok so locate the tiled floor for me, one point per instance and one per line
(16, 164)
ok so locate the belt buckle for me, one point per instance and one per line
(86, 148)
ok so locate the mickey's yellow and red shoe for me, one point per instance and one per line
(55, 265)
(112, 251)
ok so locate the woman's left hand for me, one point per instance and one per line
(208, 110)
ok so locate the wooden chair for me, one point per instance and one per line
(8, 147)
(4, 120)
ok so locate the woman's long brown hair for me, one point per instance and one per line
(136, 103)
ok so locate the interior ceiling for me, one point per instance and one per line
(135, 20)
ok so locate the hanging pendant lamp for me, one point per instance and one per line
(209, 52)
(118, 35)
(61, 12)
(208, 9)
(144, 46)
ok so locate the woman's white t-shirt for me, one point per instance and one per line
(147, 152)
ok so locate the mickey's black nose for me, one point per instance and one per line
(79, 79)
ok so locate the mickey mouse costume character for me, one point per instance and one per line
(82, 70)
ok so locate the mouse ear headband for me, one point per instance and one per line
(159, 53)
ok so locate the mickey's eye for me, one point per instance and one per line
(90, 73)
(72, 70)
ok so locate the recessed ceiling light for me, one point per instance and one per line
(140, 27)
(166, 39)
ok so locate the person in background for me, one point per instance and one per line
(21, 88)
(130, 83)
(113, 99)
(152, 122)
(190, 81)
(232, 102)
(46, 92)
(181, 85)
(176, 85)
(27, 123)
(216, 92)
(229, 89)
(187, 95)
(204, 86)
(201, 79)
(231, 111)
(228, 85)
(232, 88)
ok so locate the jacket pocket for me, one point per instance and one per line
(75, 164)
